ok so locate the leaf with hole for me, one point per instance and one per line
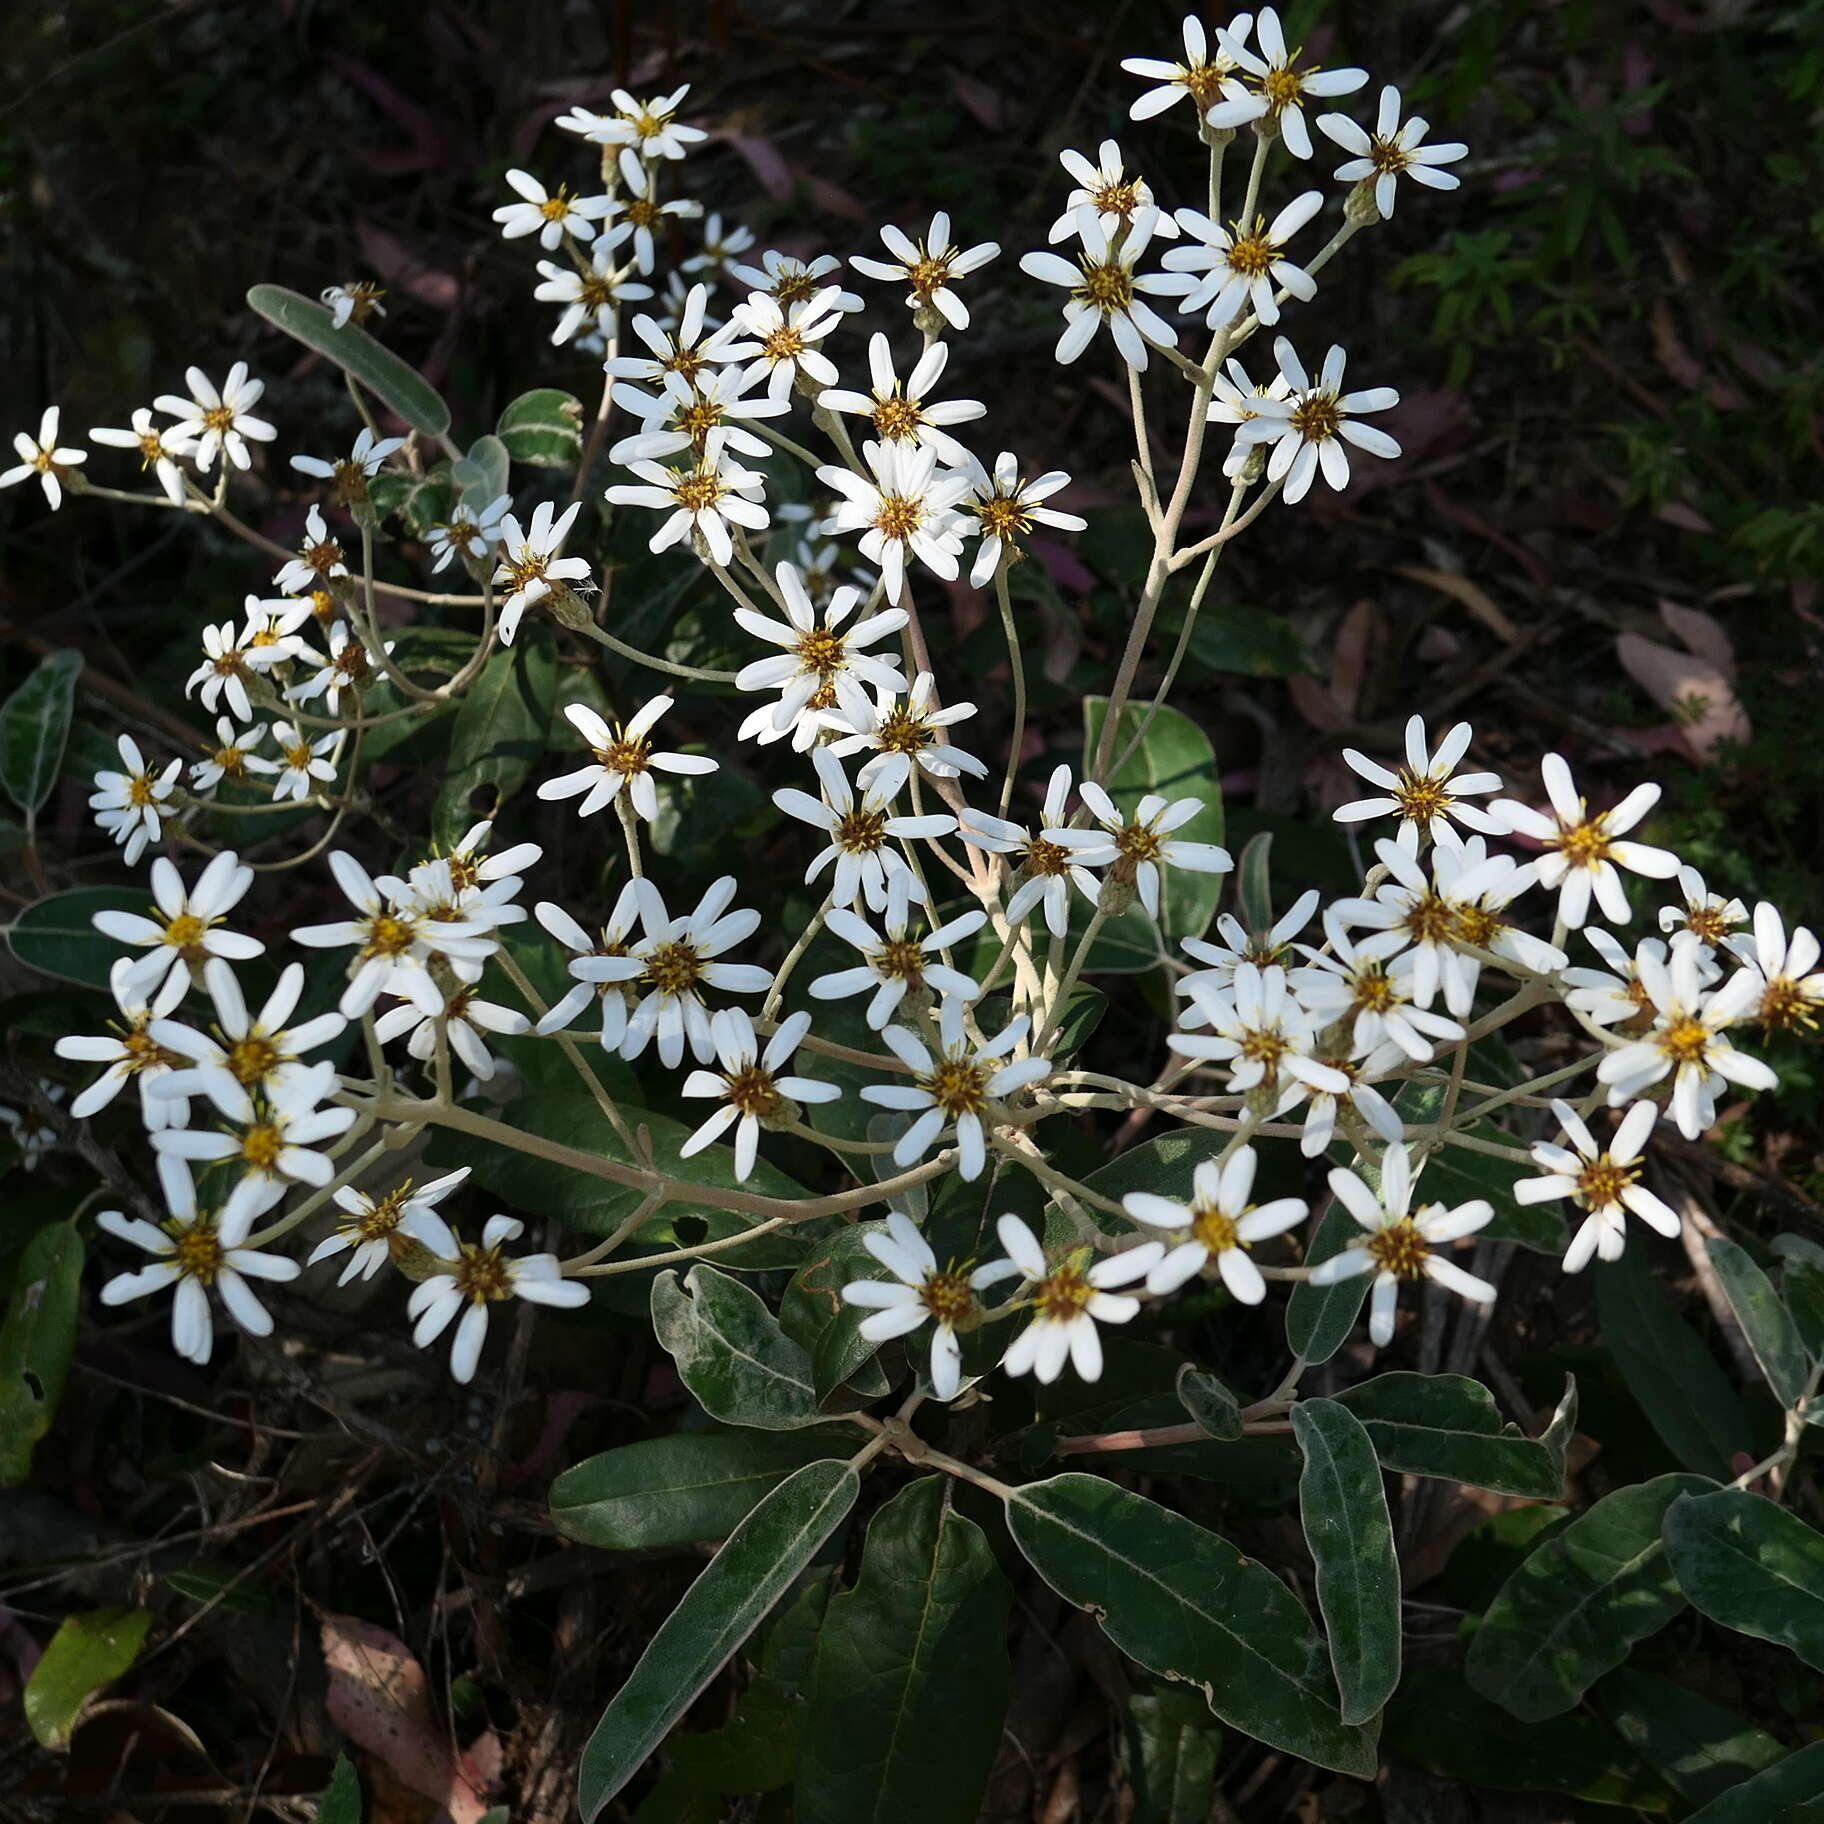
(731, 1352)
(89, 1650)
(397, 386)
(37, 1341)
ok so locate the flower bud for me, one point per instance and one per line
(568, 608)
(412, 1257)
(1116, 895)
(1360, 209)
(929, 321)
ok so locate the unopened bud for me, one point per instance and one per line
(1116, 896)
(929, 321)
(568, 608)
(1214, 136)
(1360, 210)
(413, 1258)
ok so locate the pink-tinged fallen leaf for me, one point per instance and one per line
(1685, 517)
(1355, 639)
(1684, 367)
(1062, 564)
(380, 1699)
(988, 105)
(1316, 705)
(831, 198)
(1460, 589)
(1690, 689)
(1702, 633)
(405, 271)
(766, 162)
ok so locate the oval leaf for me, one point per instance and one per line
(754, 1568)
(731, 1352)
(1175, 1747)
(36, 1343)
(482, 474)
(543, 428)
(1577, 1605)
(1765, 1321)
(1186, 1604)
(87, 1651)
(1343, 1507)
(1210, 1403)
(34, 725)
(500, 733)
(401, 389)
(1700, 1748)
(1784, 1794)
(1751, 1566)
(1319, 1318)
(57, 936)
(912, 1678)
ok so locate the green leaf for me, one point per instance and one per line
(1446, 1425)
(341, 1800)
(1253, 641)
(1788, 1793)
(755, 1567)
(1186, 1604)
(1687, 1398)
(731, 1352)
(1319, 1318)
(57, 936)
(1254, 883)
(1752, 1567)
(1175, 759)
(1578, 1604)
(1699, 1748)
(1210, 1403)
(1172, 1764)
(812, 1313)
(482, 474)
(37, 1339)
(500, 733)
(1765, 1321)
(543, 428)
(395, 385)
(1456, 1175)
(912, 1679)
(1343, 1507)
(88, 1651)
(34, 725)
(420, 501)
(675, 1490)
(1802, 1282)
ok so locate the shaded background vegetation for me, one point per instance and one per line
(1608, 349)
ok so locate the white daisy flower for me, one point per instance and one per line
(919, 1290)
(642, 211)
(31, 1134)
(350, 474)
(1264, 1036)
(366, 1229)
(465, 1020)
(184, 930)
(1710, 917)
(789, 280)
(474, 867)
(904, 508)
(1319, 1126)
(1069, 1300)
(250, 1055)
(722, 247)
(930, 266)
(898, 963)
(962, 1086)
(161, 451)
(689, 350)
(649, 128)
(1376, 992)
(1238, 946)
(904, 411)
(591, 298)
(903, 721)
(218, 423)
(195, 1252)
(480, 1277)
(1106, 292)
(1227, 270)
(42, 456)
(1109, 195)
(1390, 152)
(229, 659)
(347, 670)
(1307, 429)
(1216, 1228)
(1602, 1181)
(132, 805)
(1613, 995)
(1425, 791)
(1584, 852)
(302, 764)
(1137, 846)
(354, 302)
(467, 534)
(615, 939)
(780, 342)
(751, 1083)
(529, 562)
(1235, 400)
(862, 830)
(1041, 867)
(707, 501)
(1791, 986)
(549, 214)
(1279, 87)
(1005, 507)
(684, 412)
(130, 1052)
(1200, 75)
(622, 759)
(1687, 1039)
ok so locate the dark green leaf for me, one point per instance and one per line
(398, 387)
(672, 1491)
(88, 1651)
(1576, 1607)
(421, 501)
(1690, 1401)
(57, 936)
(1254, 884)
(1446, 1425)
(1701, 1749)
(1765, 1321)
(34, 725)
(1319, 1318)
(543, 428)
(341, 1800)
(1343, 1506)
(1186, 1604)
(37, 1340)
(500, 733)
(1254, 641)
(1751, 1566)
(912, 1679)
(1802, 1282)
(812, 1313)
(1210, 1403)
(754, 1568)
(1790, 1792)
(731, 1352)
(1175, 1746)
(1457, 1175)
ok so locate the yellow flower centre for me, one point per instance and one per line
(1216, 1231)
(1049, 859)
(251, 1060)
(1786, 1006)
(351, 662)
(959, 1086)
(686, 362)
(643, 212)
(905, 731)
(140, 792)
(1003, 516)
(481, 1275)
(1374, 990)
(261, 1146)
(143, 1051)
(752, 1091)
(1420, 796)
(1252, 254)
(861, 832)
(673, 968)
(151, 449)
(1584, 844)
(595, 291)
(948, 1296)
(387, 935)
(1477, 926)
(930, 272)
(185, 933)
(1601, 1182)
(556, 206)
(899, 515)
(1063, 1294)
(1400, 1249)
(465, 873)
(793, 286)
(898, 418)
(1282, 87)
(1388, 156)
(1711, 923)
(1318, 418)
(901, 960)
(822, 652)
(627, 756)
(1119, 198)
(197, 1253)
(1685, 1039)
(383, 1218)
(1137, 842)
(322, 605)
(1264, 1045)
(219, 418)
(232, 761)
(699, 491)
(1204, 81)
(782, 344)
(299, 758)
(698, 419)
(1430, 919)
(1107, 287)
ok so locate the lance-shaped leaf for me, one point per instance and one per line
(1186, 1604)
(1343, 1507)
(1446, 1425)
(1210, 1403)
(1174, 1744)
(755, 1567)
(87, 1651)
(731, 1352)
(1319, 1318)
(34, 726)
(1789, 1792)
(500, 734)
(37, 1339)
(543, 428)
(1765, 1321)
(1699, 1747)
(1752, 1566)
(694, 1485)
(1577, 1605)
(401, 389)
(1690, 1402)
(57, 936)
(912, 1679)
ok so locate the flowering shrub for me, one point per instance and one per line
(510, 1101)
